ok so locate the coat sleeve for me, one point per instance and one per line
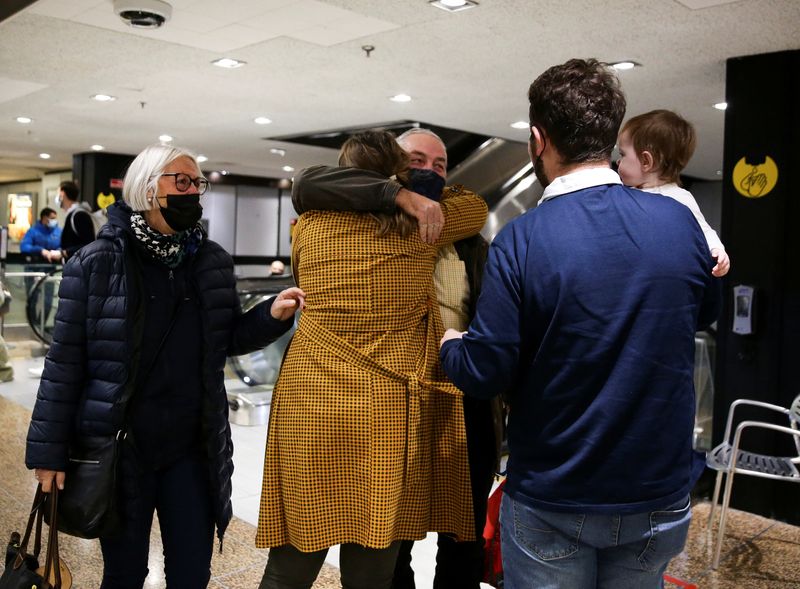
(256, 329)
(53, 420)
(28, 245)
(464, 214)
(327, 188)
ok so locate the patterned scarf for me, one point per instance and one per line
(169, 249)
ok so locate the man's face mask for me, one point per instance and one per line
(427, 183)
(182, 212)
(52, 223)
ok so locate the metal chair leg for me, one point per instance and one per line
(726, 497)
(717, 487)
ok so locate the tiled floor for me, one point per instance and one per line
(758, 553)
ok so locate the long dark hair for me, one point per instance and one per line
(378, 151)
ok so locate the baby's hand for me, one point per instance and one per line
(723, 262)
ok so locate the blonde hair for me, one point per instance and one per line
(141, 179)
(379, 151)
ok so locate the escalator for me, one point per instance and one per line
(250, 397)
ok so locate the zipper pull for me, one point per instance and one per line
(171, 275)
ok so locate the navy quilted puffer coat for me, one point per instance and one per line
(94, 354)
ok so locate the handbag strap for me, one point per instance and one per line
(35, 514)
(52, 558)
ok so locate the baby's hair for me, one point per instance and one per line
(667, 136)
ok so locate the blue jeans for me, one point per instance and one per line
(548, 550)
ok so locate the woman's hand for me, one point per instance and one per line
(287, 302)
(46, 477)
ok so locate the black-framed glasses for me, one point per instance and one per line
(184, 181)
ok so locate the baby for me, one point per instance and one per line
(654, 148)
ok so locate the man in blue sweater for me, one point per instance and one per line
(586, 320)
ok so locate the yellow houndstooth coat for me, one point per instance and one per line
(366, 438)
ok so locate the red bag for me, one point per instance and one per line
(492, 559)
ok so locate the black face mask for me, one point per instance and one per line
(182, 212)
(426, 182)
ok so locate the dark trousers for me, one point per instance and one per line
(181, 496)
(459, 565)
(362, 567)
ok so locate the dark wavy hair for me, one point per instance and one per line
(378, 151)
(579, 105)
(70, 189)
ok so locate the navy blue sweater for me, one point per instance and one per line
(587, 317)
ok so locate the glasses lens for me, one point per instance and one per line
(182, 182)
(202, 185)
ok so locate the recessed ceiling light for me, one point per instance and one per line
(453, 5)
(277, 151)
(520, 125)
(625, 65)
(103, 97)
(224, 172)
(228, 63)
(262, 121)
(165, 138)
(97, 147)
(288, 169)
(400, 98)
(24, 120)
(721, 105)
(44, 156)
(719, 172)
(201, 159)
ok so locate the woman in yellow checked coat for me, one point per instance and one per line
(363, 424)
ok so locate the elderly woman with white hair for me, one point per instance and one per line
(148, 312)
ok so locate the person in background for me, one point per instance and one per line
(654, 148)
(363, 427)
(152, 305)
(586, 320)
(44, 237)
(78, 225)
(6, 368)
(457, 279)
(42, 243)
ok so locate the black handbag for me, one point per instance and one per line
(23, 570)
(88, 504)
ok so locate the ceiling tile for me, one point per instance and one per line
(11, 89)
(231, 12)
(63, 8)
(233, 37)
(697, 4)
(341, 31)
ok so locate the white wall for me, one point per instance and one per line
(256, 221)
(219, 209)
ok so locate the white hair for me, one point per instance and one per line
(417, 131)
(141, 179)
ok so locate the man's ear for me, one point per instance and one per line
(647, 160)
(537, 141)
